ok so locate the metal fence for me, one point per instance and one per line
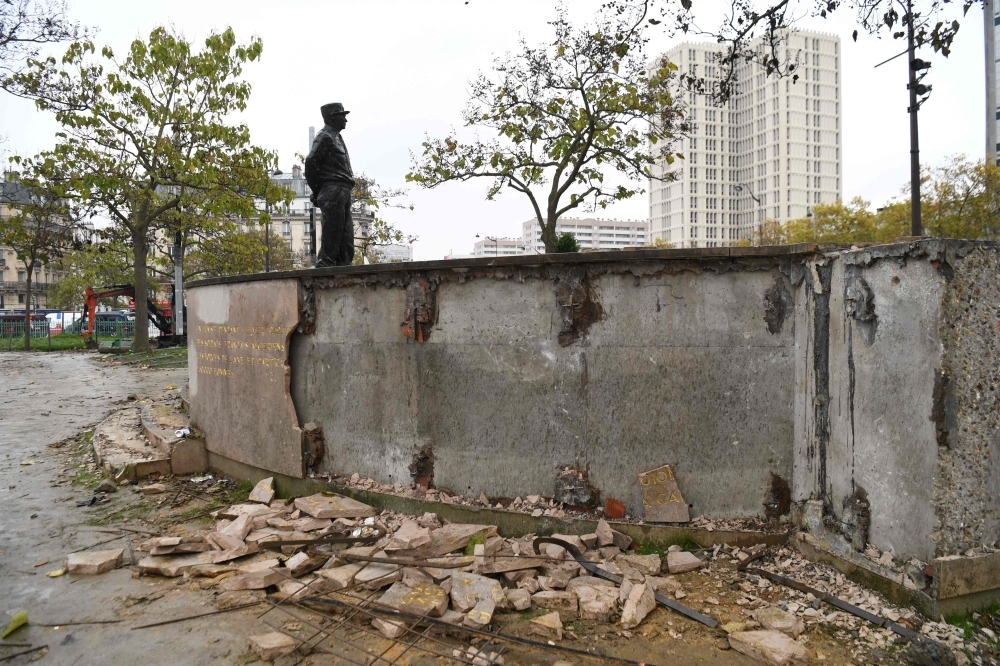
(15, 329)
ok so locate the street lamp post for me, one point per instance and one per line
(760, 235)
(496, 244)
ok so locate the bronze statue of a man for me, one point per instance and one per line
(328, 172)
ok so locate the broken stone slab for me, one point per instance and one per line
(252, 510)
(597, 603)
(639, 604)
(220, 541)
(244, 549)
(505, 563)
(208, 570)
(588, 581)
(153, 489)
(648, 565)
(302, 563)
(564, 602)
(263, 492)
(280, 523)
(260, 522)
(259, 565)
(273, 645)
(94, 562)
(172, 565)
(572, 539)
(425, 599)
(589, 540)
(334, 506)
(468, 589)
(159, 542)
(258, 580)
(227, 600)
(481, 614)
(413, 577)
(338, 578)
(609, 553)
(448, 539)
(409, 535)
(376, 576)
(310, 524)
(341, 557)
(682, 561)
(770, 647)
(518, 598)
(389, 628)
(548, 626)
(453, 617)
(239, 528)
(775, 619)
(609, 537)
(292, 588)
(662, 498)
(181, 548)
(667, 584)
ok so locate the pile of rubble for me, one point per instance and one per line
(417, 569)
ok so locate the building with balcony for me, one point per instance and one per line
(592, 234)
(13, 272)
(772, 151)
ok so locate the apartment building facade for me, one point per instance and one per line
(498, 247)
(771, 152)
(592, 234)
(13, 272)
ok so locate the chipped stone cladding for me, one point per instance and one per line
(967, 488)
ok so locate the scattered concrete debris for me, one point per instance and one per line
(153, 489)
(272, 645)
(263, 492)
(94, 562)
(770, 647)
(549, 627)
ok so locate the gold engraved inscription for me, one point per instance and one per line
(661, 497)
(223, 350)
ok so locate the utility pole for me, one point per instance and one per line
(989, 37)
(916, 228)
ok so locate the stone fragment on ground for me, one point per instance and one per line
(376, 576)
(273, 645)
(638, 605)
(548, 626)
(153, 489)
(468, 589)
(770, 647)
(93, 562)
(589, 581)
(172, 565)
(448, 539)
(775, 619)
(227, 600)
(564, 602)
(409, 535)
(519, 599)
(334, 506)
(337, 578)
(263, 492)
(597, 603)
(682, 561)
(388, 628)
(648, 565)
(106, 486)
(481, 614)
(258, 580)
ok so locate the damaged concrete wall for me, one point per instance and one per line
(966, 411)
(615, 368)
(864, 379)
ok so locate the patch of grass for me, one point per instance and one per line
(105, 514)
(173, 357)
(55, 343)
(649, 548)
(529, 615)
(968, 624)
(473, 542)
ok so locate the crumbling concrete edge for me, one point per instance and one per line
(887, 587)
(187, 455)
(509, 523)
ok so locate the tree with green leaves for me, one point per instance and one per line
(39, 232)
(564, 117)
(149, 133)
(567, 243)
(238, 251)
(90, 265)
(367, 202)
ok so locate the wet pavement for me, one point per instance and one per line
(47, 398)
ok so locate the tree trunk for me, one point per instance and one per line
(140, 337)
(549, 235)
(27, 307)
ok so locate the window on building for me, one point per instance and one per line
(21, 277)
(20, 299)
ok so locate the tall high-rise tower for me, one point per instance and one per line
(771, 152)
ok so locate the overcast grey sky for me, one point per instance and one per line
(402, 67)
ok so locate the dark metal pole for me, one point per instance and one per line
(916, 228)
(267, 242)
(312, 234)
